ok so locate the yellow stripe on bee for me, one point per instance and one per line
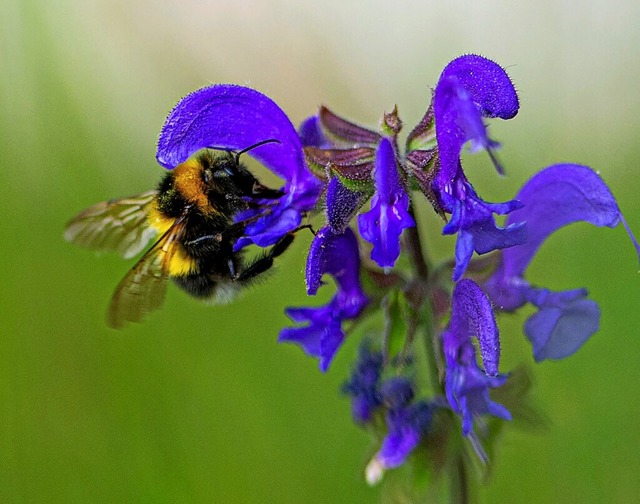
(160, 222)
(180, 263)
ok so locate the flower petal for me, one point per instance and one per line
(554, 197)
(472, 315)
(470, 87)
(397, 445)
(563, 323)
(363, 383)
(406, 423)
(282, 218)
(321, 337)
(310, 132)
(466, 385)
(389, 214)
(472, 219)
(232, 117)
(342, 204)
(337, 255)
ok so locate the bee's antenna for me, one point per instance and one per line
(251, 147)
(236, 154)
(270, 140)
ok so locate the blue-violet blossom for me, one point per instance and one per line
(407, 423)
(364, 383)
(389, 214)
(471, 87)
(344, 165)
(337, 255)
(556, 196)
(466, 385)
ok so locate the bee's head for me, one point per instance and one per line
(225, 176)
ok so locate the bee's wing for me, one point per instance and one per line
(143, 288)
(116, 226)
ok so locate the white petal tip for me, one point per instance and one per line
(374, 471)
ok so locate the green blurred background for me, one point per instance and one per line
(200, 404)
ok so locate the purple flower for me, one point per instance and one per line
(389, 214)
(355, 174)
(471, 87)
(556, 196)
(466, 385)
(363, 384)
(231, 117)
(337, 255)
(472, 219)
(407, 423)
(342, 204)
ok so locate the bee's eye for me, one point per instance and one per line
(225, 170)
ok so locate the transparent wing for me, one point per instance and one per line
(143, 288)
(116, 226)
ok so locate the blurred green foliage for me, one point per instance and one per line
(200, 404)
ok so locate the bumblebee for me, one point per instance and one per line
(191, 214)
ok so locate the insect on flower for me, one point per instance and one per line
(192, 212)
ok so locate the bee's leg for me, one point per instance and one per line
(213, 241)
(264, 262)
(232, 268)
(204, 246)
(263, 192)
(201, 240)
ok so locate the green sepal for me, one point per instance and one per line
(318, 170)
(391, 123)
(423, 136)
(346, 157)
(423, 167)
(355, 178)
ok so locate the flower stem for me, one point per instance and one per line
(414, 248)
(420, 288)
(460, 492)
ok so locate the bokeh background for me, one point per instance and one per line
(200, 404)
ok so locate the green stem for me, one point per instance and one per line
(421, 267)
(421, 302)
(432, 346)
(414, 248)
(460, 494)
